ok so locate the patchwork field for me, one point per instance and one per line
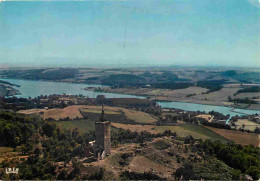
(115, 114)
(97, 111)
(191, 94)
(238, 137)
(217, 96)
(248, 125)
(93, 112)
(156, 92)
(87, 115)
(248, 94)
(139, 121)
(72, 112)
(137, 128)
(184, 130)
(198, 132)
(180, 93)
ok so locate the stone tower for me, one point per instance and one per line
(102, 131)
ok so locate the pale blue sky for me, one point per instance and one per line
(163, 32)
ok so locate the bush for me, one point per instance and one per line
(139, 176)
(254, 172)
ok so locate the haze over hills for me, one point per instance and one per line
(95, 33)
(130, 90)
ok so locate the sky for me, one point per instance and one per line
(130, 32)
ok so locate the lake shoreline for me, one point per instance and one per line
(172, 99)
(86, 88)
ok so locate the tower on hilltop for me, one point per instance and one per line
(102, 132)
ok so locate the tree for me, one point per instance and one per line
(114, 143)
(186, 172)
(76, 171)
(238, 162)
(254, 172)
(251, 161)
(236, 175)
(257, 130)
(188, 139)
(48, 129)
(23, 148)
(63, 174)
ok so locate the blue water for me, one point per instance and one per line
(31, 88)
(207, 108)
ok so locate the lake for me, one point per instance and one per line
(31, 88)
(207, 108)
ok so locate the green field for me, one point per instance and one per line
(97, 111)
(204, 131)
(196, 131)
(83, 125)
(119, 115)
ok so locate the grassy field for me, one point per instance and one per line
(74, 112)
(183, 95)
(92, 114)
(98, 111)
(125, 116)
(238, 137)
(198, 132)
(134, 127)
(71, 111)
(249, 125)
(158, 92)
(82, 125)
(136, 116)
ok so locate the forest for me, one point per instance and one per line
(248, 89)
(40, 74)
(45, 144)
